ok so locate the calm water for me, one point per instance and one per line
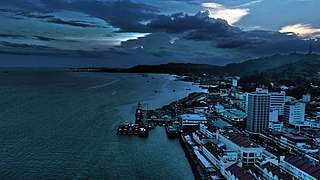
(59, 124)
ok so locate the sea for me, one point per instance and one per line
(58, 124)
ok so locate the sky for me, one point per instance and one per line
(124, 33)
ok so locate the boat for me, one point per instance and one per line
(143, 132)
(188, 89)
(130, 129)
(136, 129)
(155, 91)
(120, 129)
(125, 128)
(172, 131)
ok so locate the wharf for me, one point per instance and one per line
(199, 171)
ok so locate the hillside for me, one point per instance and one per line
(302, 72)
(245, 68)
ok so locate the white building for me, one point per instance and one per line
(273, 115)
(208, 130)
(294, 113)
(192, 120)
(277, 101)
(258, 108)
(276, 126)
(248, 151)
(219, 157)
(234, 82)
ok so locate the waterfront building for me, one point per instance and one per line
(235, 172)
(248, 152)
(271, 171)
(294, 113)
(218, 156)
(233, 114)
(258, 109)
(192, 121)
(209, 130)
(300, 168)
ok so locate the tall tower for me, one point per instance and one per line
(258, 108)
(139, 113)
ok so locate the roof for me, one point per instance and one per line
(204, 161)
(212, 128)
(221, 123)
(240, 172)
(276, 171)
(295, 138)
(241, 141)
(193, 117)
(213, 149)
(305, 165)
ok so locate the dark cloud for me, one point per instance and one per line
(72, 23)
(45, 38)
(124, 14)
(197, 26)
(16, 45)
(10, 36)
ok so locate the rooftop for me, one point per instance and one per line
(241, 141)
(213, 149)
(295, 138)
(276, 170)
(304, 165)
(193, 117)
(240, 172)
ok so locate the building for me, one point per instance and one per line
(270, 171)
(276, 126)
(248, 152)
(233, 114)
(235, 172)
(234, 82)
(258, 109)
(300, 168)
(294, 113)
(218, 156)
(306, 98)
(273, 115)
(277, 101)
(192, 121)
(290, 140)
(208, 130)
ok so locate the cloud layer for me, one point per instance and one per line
(197, 32)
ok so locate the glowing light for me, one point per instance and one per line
(232, 15)
(302, 30)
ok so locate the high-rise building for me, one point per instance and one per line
(277, 101)
(258, 109)
(294, 113)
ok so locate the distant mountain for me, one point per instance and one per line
(302, 72)
(266, 63)
(245, 68)
(177, 68)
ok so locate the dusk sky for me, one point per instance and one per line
(78, 33)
